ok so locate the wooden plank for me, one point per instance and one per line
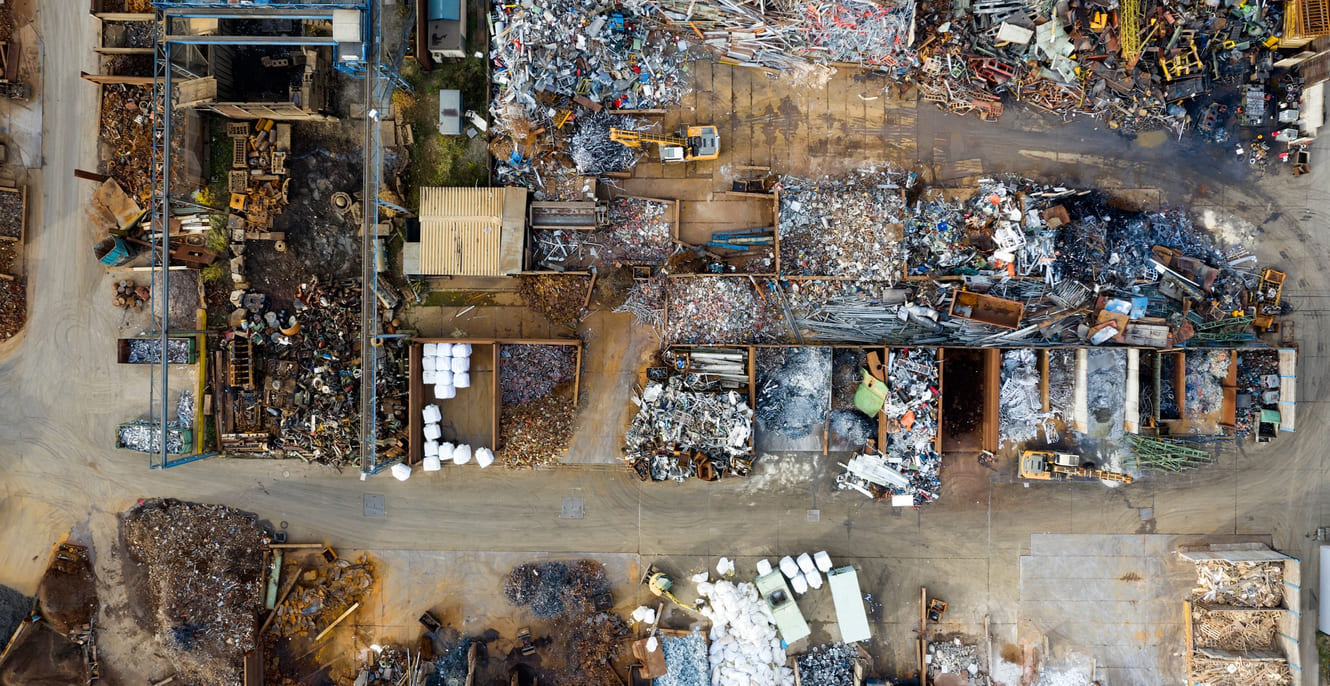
(992, 398)
(107, 79)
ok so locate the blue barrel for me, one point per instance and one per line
(113, 251)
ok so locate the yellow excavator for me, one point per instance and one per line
(697, 144)
(1044, 465)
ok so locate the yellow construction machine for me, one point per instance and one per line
(698, 143)
(1044, 465)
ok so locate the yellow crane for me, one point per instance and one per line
(698, 143)
(1129, 33)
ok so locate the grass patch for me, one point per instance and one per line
(1323, 655)
(438, 160)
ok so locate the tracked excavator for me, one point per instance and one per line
(696, 144)
(1044, 465)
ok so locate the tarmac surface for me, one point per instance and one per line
(63, 395)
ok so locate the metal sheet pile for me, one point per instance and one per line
(558, 60)
(204, 566)
(849, 226)
(681, 425)
(146, 350)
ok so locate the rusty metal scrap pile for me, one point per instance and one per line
(321, 595)
(536, 433)
(558, 297)
(126, 127)
(204, 567)
(1244, 584)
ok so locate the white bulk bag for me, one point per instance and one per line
(462, 380)
(431, 464)
(461, 364)
(431, 414)
(402, 471)
(484, 457)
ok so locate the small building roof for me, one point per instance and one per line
(471, 231)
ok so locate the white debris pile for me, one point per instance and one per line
(955, 657)
(745, 650)
(1020, 405)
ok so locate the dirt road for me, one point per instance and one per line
(62, 396)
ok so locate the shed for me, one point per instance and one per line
(445, 29)
(450, 112)
(468, 232)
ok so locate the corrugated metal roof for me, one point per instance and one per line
(463, 231)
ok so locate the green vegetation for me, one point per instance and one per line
(217, 193)
(458, 299)
(216, 272)
(1323, 656)
(438, 160)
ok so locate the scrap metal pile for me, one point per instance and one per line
(13, 293)
(147, 350)
(321, 595)
(558, 297)
(1239, 672)
(685, 428)
(800, 39)
(146, 437)
(537, 420)
(557, 62)
(957, 657)
(686, 660)
(1206, 372)
(638, 231)
(849, 226)
(792, 393)
(1137, 64)
(575, 596)
(126, 129)
(1025, 263)
(829, 664)
(204, 566)
(1022, 417)
(1258, 379)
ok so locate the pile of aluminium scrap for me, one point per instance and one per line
(829, 664)
(146, 437)
(592, 150)
(639, 230)
(745, 648)
(1020, 406)
(537, 432)
(148, 350)
(843, 227)
(792, 390)
(646, 302)
(1206, 371)
(204, 566)
(685, 660)
(677, 429)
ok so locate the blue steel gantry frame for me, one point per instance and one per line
(379, 80)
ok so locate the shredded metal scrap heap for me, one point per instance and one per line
(204, 566)
(674, 425)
